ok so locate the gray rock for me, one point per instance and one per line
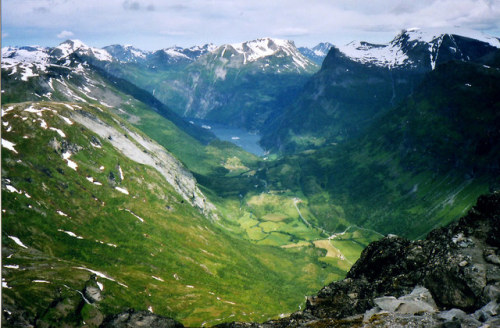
(132, 318)
(487, 312)
(491, 309)
(420, 294)
(493, 258)
(453, 314)
(92, 294)
(492, 292)
(387, 303)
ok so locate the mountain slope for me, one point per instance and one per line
(84, 193)
(85, 120)
(417, 165)
(359, 81)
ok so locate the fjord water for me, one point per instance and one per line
(249, 141)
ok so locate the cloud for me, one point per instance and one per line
(5, 34)
(41, 10)
(136, 6)
(291, 31)
(174, 33)
(65, 34)
(131, 5)
(156, 24)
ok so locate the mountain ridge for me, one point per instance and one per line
(355, 85)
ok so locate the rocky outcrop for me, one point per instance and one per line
(132, 318)
(450, 279)
(145, 151)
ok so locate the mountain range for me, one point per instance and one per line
(98, 152)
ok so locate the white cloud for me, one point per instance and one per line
(155, 24)
(291, 31)
(5, 34)
(65, 34)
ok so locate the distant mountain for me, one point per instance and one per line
(127, 53)
(359, 81)
(159, 58)
(242, 84)
(422, 49)
(317, 53)
(70, 47)
(263, 51)
(177, 55)
(68, 72)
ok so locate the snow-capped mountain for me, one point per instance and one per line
(277, 54)
(191, 53)
(178, 55)
(422, 48)
(127, 53)
(316, 53)
(26, 61)
(78, 47)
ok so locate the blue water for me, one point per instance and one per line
(242, 138)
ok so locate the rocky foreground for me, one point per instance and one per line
(450, 279)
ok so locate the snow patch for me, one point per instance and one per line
(61, 213)
(43, 124)
(157, 278)
(71, 164)
(13, 189)
(11, 266)
(121, 172)
(91, 179)
(4, 284)
(9, 145)
(95, 145)
(60, 132)
(67, 120)
(18, 241)
(100, 274)
(137, 216)
(69, 233)
(122, 190)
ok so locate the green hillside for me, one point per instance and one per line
(75, 203)
(420, 165)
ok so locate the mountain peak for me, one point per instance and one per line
(408, 47)
(430, 34)
(264, 47)
(69, 47)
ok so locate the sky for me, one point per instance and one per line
(156, 24)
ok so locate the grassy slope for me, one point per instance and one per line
(174, 240)
(260, 215)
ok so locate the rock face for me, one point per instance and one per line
(450, 279)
